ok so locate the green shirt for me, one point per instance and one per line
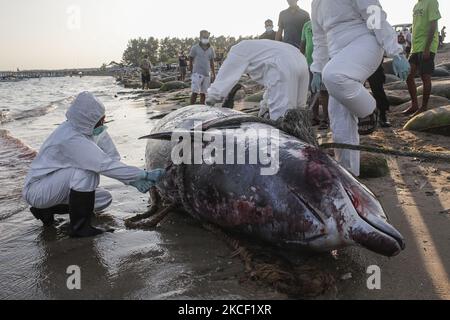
(307, 38)
(425, 11)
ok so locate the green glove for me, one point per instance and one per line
(316, 83)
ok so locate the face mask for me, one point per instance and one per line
(268, 29)
(99, 130)
(205, 41)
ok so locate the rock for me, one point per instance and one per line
(445, 66)
(398, 97)
(441, 72)
(137, 84)
(173, 85)
(398, 85)
(434, 121)
(257, 97)
(169, 79)
(240, 95)
(132, 84)
(155, 84)
(373, 166)
(390, 78)
(440, 88)
(434, 102)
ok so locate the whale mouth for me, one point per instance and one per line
(380, 237)
(383, 226)
(376, 234)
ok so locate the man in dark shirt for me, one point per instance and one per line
(146, 68)
(290, 24)
(183, 66)
(270, 34)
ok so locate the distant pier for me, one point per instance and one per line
(36, 74)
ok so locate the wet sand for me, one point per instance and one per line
(182, 260)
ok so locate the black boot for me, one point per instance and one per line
(384, 123)
(47, 215)
(81, 210)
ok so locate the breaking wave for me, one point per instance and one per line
(7, 116)
(15, 159)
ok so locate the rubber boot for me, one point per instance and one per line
(384, 123)
(81, 210)
(47, 216)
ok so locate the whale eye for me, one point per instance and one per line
(260, 200)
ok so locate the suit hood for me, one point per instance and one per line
(85, 112)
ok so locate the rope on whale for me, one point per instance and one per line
(307, 282)
(432, 156)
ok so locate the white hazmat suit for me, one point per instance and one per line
(71, 159)
(350, 38)
(278, 66)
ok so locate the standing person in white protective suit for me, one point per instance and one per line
(278, 66)
(354, 34)
(65, 175)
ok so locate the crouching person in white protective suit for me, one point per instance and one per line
(278, 66)
(65, 175)
(350, 38)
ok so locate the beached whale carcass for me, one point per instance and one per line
(311, 202)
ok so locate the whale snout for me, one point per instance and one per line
(372, 229)
(377, 241)
(379, 237)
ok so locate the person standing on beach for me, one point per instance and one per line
(307, 48)
(201, 64)
(146, 68)
(442, 36)
(290, 24)
(348, 49)
(182, 59)
(270, 34)
(425, 43)
(408, 38)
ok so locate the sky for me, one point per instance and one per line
(57, 34)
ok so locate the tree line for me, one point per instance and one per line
(168, 49)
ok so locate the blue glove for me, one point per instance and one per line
(155, 176)
(148, 181)
(316, 83)
(401, 67)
